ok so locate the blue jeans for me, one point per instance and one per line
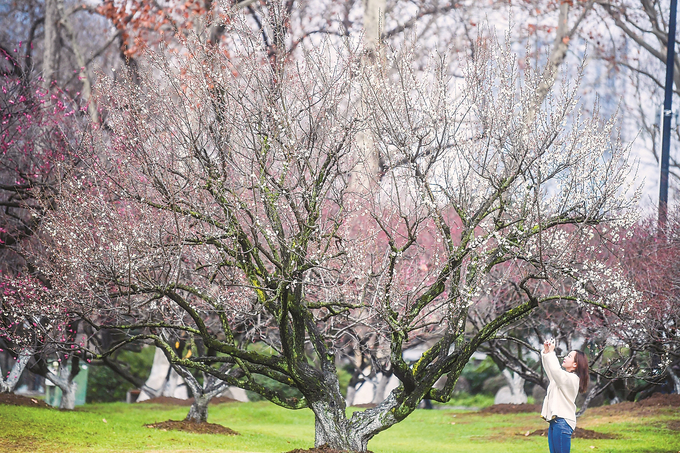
(559, 436)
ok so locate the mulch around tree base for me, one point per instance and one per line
(510, 409)
(167, 400)
(192, 427)
(11, 399)
(322, 449)
(579, 433)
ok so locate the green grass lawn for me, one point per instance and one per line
(264, 427)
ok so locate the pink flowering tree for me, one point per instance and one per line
(220, 192)
(645, 346)
(38, 133)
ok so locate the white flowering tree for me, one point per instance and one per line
(20, 299)
(38, 331)
(219, 194)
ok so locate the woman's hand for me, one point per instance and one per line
(548, 346)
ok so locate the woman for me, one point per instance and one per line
(559, 408)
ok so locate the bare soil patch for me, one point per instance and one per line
(673, 425)
(167, 400)
(322, 449)
(222, 399)
(17, 400)
(579, 433)
(660, 400)
(192, 427)
(648, 406)
(510, 409)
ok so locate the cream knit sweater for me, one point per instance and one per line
(562, 391)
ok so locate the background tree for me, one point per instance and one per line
(646, 347)
(516, 349)
(40, 336)
(630, 39)
(21, 331)
(39, 132)
(41, 127)
(633, 352)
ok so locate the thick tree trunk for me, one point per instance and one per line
(331, 425)
(64, 380)
(51, 47)
(7, 385)
(563, 35)
(84, 75)
(68, 396)
(203, 394)
(333, 428)
(198, 412)
(374, 22)
(364, 174)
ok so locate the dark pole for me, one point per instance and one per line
(667, 114)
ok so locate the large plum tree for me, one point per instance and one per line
(222, 191)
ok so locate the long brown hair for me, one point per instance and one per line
(582, 371)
